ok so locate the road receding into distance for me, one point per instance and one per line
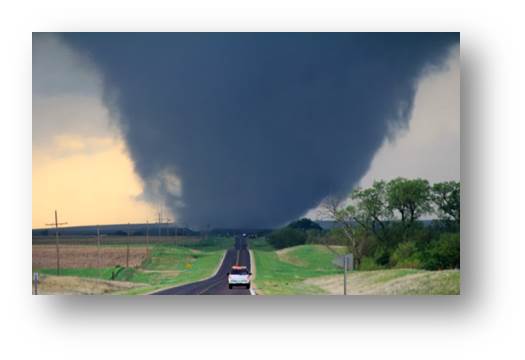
(217, 284)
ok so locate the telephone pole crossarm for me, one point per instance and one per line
(56, 224)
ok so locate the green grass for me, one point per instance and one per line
(391, 274)
(101, 273)
(393, 282)
(167, 257)
(167, 265)
(260, 243)
(445, 282)
(162, 273)
(308, 270)
(285, 275)
(214, 243)
(313, 257)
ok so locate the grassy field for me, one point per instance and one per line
(308, 270)
(300, 270)
(167, 265)
(392, 282)
(86, 256)
(284, 272)
(73, 285)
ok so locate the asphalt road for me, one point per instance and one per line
(218, 284)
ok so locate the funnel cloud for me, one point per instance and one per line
(254, 129)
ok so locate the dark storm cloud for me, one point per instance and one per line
(259, 127)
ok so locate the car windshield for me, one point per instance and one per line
(239, 272)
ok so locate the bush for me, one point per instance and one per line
(405, 256)
(334, 237)
(411, 263)
(382, 256)
(314, 237)
(368, 263)
(287, 237)
(442, 253)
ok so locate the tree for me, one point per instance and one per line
(346, 217)
(313, 236)
(287, 237)
(446, 197)
(405, 255)
(305, 224)
(411, 198)
(443, 253)
(335, 236)
(371, 208)
(367, 225)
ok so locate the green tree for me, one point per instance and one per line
(411, 198)
(287, 237)
(356, 240)
(371, 209)
(305, 224)
(314, 236)
(405, 255)
(335, 236)
(443, 253)
(446, 197)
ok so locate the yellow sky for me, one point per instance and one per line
(89, 180)
(80, 164)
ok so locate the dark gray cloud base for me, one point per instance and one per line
(259, 127)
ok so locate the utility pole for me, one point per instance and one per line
(127, 247)
(56, 224)
(167, 230)
(98, 247)
(183, 234)
(147, 238)
(160, 222)
(176, 232)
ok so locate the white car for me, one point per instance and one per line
(239, 276)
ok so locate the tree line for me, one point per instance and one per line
(382, 227)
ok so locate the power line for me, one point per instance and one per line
(56, 224)
(147, 239)
(160, 222)
(127, 246)
(98, 247)
(168, 222)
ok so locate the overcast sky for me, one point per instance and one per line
(82, 164)
(429, 147)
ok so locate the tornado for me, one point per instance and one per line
(250, 130)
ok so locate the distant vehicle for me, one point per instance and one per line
(239, 276)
